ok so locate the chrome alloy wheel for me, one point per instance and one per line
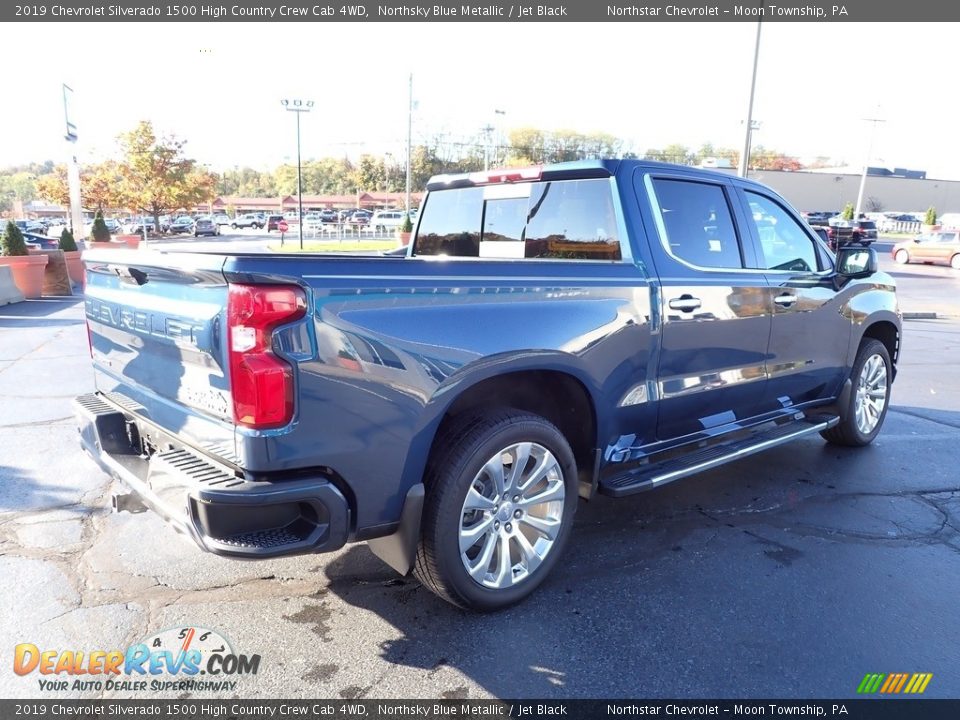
(871, 394)
(512, 515)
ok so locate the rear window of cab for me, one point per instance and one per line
(562, 219)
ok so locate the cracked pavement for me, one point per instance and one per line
(788, 574)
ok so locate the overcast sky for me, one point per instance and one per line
(219, 86)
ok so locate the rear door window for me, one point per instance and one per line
(698, 223)
(565, 219)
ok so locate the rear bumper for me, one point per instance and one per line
(223, 512)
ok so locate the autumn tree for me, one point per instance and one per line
(54, 187)
(157, 177)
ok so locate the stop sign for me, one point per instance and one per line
(282, 226)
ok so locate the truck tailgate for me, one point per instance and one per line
(158, 341)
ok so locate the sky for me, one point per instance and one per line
(219, 86)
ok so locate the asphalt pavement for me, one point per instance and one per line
(788, 574)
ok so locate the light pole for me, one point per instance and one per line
(500, 113)
(298, 106)
(487, 131)
(409, 141)
(387, 156)
(745, 158)
(866, 164)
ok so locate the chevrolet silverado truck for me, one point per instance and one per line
(551, 333)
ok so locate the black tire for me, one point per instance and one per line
(848, 433)
(464, 449)
(955, 262)
(233, 225)
(902, 256)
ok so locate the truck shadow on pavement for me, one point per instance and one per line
(659, 595)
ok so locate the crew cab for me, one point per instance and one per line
(550, 333)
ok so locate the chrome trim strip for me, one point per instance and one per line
(741, 453)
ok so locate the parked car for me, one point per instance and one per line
(249, 220)
(386, 219)
(181, 225)
(41, 242)
(865, 232)
(135, 226)
(31, 226)
(329, 217)
(312, 221)
(205, 226)
(451, 414)
(273, 222)
(221, 218)
(938, 247)
(361, 218)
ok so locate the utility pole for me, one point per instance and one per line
(73, 168)
(866, 164)
(745, 157)
(487, 132)
(409, 139)
(298, 106)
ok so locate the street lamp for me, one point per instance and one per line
(298, 106)
(745, 158)
(387, 156)
(866, 165)
(502, 114)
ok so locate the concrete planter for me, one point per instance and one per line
(131, 241)
(74, 265)
(27, 273)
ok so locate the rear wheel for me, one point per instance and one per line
(955, 262)
(861, 420)
(902, 256)
(501, 495)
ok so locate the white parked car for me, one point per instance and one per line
(387, 219)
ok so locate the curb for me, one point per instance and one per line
(919, 316)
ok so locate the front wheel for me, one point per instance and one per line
(233, 225)
(902, 257)
(861, 420)
(500, 499)
(955, 262)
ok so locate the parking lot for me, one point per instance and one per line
(788, 574)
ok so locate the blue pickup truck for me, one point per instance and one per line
(551, 333)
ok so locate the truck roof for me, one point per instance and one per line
(577, 169)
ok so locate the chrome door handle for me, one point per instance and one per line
(684, 303)
(785, 300)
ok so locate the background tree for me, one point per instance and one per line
(67, 243)
(99, 232)
(156, 176)
(13, 243)
(53, 187)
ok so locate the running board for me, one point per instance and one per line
(655, 475)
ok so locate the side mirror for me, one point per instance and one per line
(856, 262)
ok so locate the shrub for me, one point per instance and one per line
(847, 213)
(406, 226)
(67, 243)
(13, 243)
(931, 217)
(99, 232)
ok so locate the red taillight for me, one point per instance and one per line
(260, 382)
(506, 175)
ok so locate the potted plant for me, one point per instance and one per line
(930, 221)
(847, 213)
(72, 256)
(27, 269)
(405, 230)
